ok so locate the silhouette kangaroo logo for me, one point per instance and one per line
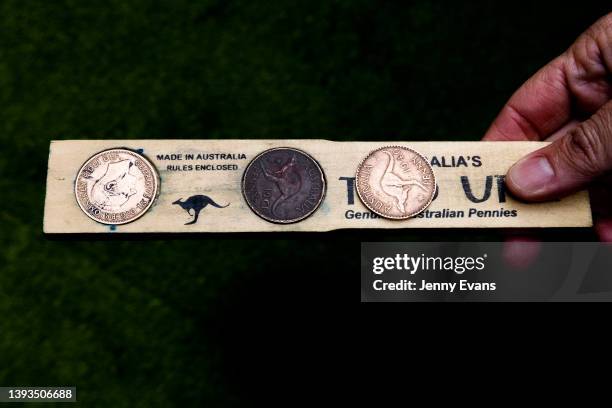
(287, 179)
(196, 203)
(395, 186)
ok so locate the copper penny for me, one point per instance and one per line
(116, 186)
(283, 185)
(395, 182)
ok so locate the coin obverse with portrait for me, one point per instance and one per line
(116, 186)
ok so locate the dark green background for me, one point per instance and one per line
(198, 320)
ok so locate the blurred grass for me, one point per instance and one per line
(160, 322)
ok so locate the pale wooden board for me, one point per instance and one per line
(338, 160)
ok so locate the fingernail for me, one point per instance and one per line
(531, 174)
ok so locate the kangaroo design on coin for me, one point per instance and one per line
(395, 182)
(116, 186)
(283, 185)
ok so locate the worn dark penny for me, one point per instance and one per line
(283, 185)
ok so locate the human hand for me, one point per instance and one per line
(569, 103)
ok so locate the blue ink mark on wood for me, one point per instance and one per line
(141, 151)
(113, 228)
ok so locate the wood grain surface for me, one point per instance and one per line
(471, 192)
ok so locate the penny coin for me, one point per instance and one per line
(116, 186)
(283, 185)
(395, 182)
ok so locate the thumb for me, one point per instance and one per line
(568, 164)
